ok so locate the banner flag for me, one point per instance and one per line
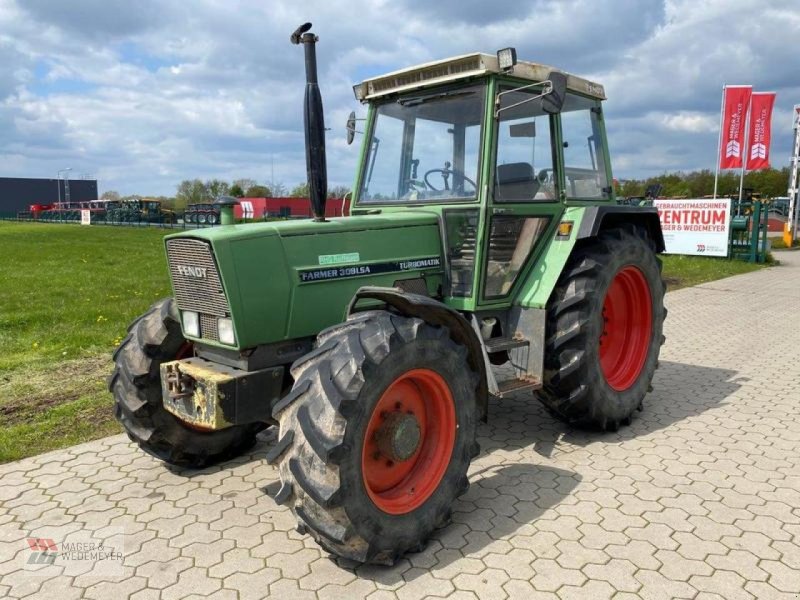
(734, 116)
(760, 130)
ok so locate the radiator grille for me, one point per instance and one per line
(414, 285)
(195, 278)
(208, 327)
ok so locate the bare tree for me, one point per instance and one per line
(245, 183)
(190, 191)
(258, 191)
(217, 187)
(110, 195)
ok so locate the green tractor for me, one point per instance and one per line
(483, 232)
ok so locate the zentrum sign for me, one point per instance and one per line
(695, 226)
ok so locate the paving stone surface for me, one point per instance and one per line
(698, 498)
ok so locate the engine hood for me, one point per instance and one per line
(291, 279)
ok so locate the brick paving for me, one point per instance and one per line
(699, 498)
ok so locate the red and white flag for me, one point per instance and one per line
(760, 130)
(734, 116)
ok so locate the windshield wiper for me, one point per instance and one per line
(416, 100)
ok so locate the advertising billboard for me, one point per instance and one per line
(696, 227)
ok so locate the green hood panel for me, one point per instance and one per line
(309, 226)
(291, 279)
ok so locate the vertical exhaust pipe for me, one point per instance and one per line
(314, 124)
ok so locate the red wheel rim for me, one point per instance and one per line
(628, 317)
(399, 486)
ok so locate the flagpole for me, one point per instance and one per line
(719, 140)
(746, 148)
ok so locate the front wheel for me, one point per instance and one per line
(604, 330)
(153, 338)
(376, 435)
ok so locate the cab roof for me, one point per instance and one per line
(463, 67)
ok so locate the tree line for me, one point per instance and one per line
(770, 183)
(197, 191)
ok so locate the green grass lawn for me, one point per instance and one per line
(778, 244)
(684, 271)
(67, 295)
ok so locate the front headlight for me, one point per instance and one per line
(191, 323)
(225, 329)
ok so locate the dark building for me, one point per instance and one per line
(18, 193)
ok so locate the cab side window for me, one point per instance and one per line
(524, 170)
(584, 154)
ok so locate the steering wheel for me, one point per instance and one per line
(445, 174)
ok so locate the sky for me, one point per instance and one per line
(142, 95)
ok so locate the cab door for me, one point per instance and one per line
(524, 195)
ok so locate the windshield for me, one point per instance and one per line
(425, 147)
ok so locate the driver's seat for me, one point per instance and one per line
(515, 182)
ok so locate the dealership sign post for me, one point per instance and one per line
(695, 226)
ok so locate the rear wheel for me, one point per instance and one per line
(604, 330)
(153, 338)
(376, 435)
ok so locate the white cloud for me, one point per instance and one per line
(146, 95)
(691, 122)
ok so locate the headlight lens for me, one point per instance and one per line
(191, 323)
(225, 328)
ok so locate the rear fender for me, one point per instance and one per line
(599, 218)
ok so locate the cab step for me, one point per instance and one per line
(500, 344)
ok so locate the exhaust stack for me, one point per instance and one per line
(314, 124)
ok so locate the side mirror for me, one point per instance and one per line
(553, 102)
(351, 127)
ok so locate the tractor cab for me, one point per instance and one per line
(496, 148)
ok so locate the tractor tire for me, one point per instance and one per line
(153, 338)
(604, 330)
(376, 436)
